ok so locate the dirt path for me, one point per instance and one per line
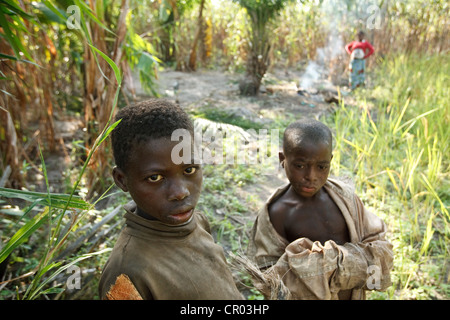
(220, 89)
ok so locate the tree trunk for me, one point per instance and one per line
(193, 56)
(258, 56)
(99, 96)
(10, 172)
(180, 63)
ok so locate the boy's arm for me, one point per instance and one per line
(370, 48)
(372, 257)
(348, 46)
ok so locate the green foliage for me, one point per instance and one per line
(261, 14)
(54, 200)
(222, 116)
(262, 10)
(141, 57)
(227, 212)
(55, 208)
(396, 151)
(12, 31)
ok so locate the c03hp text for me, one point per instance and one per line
(245, 309)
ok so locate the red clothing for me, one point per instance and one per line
(364, 45)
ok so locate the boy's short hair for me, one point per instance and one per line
(309, 129)
(150, 119)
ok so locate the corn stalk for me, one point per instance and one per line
(100, 88)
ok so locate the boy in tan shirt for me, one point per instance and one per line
(165, 251)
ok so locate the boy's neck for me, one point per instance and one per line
(144, 215)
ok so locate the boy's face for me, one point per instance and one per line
(360, 36)
(307, 167)
(161, 189)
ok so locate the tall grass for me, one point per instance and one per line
(396, 149)
(56, 207)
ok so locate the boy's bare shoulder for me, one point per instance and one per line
(278, 209)
(280, 203)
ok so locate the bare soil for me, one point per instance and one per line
(221, 89)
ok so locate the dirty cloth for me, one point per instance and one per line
(357, 73)
(166, 262)
(313, 271)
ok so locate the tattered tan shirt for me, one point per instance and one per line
(168, 262)
(311, 270)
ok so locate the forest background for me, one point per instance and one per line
(67, 66)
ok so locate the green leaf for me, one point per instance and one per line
(146, 61)
(23, 233)
(108, 131)
(87, 10)
(7, 4)
(7, 56)
(50, 12)
(12, 212)
(56, 200)
(38, 290)
(12, 39)
(116, 69)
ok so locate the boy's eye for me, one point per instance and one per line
(190, 170)
(301, 166)
(155, 177)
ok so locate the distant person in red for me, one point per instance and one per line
(358, 51)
